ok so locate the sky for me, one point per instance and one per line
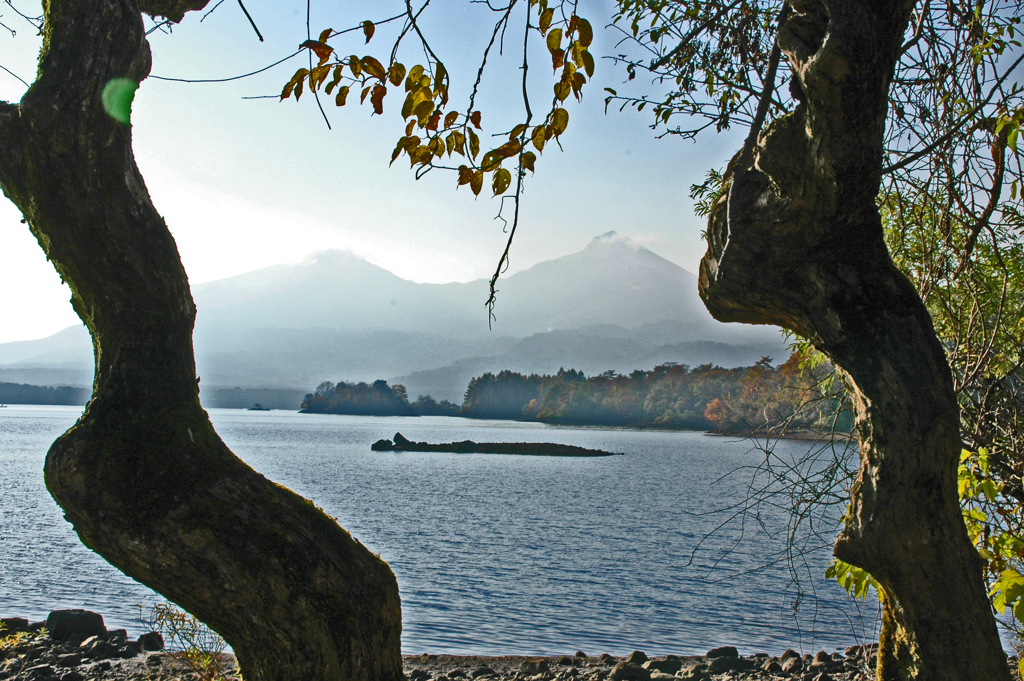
(249, 183)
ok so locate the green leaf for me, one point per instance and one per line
(117, 96)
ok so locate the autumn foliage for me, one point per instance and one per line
(759, 399)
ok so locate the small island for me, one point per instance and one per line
(402, 444)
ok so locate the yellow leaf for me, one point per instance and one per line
(554, 40)
(399, 148)
(325, 35)
(450, 119)
(423, 110)
(562, 90)
(421, 155)
(545, 19)
(410, 103)
(576, 53)
(585, 34)
(502, 179)
(588, 63)
(529, 158)
(517, 131)
(475, 119)
(465, 175)
(476, 183)
(373, 67)
(415, 73)
(353, 63)
(368, 29)
(362, 95)
(508, 149)
(474, 143)
(578, 79)
(337, 78)
(318, 75)
(460, 143)
(449, 143)
(538, 137)
(439, 74)
(559, 121)
(396, 73)
(491, 160)
(342, 95)
(557, 59)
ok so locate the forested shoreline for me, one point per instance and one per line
(20, 393)
(757, 399)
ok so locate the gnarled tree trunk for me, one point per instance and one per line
(143, 476)
(796, 240)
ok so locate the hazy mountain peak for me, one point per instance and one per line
(335, 315)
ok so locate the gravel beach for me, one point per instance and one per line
(79, 648)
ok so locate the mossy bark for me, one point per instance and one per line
(143, 476)
(796, 240)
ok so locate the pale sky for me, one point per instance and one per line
(245, 184)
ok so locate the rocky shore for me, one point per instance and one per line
(77, 647)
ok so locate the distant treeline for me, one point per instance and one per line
(740, 400)
(750, 399)
(17, 393)
(372, 399)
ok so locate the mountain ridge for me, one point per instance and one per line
(337, 316)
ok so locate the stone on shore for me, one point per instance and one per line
(724, 651)
(637, 657)
(628, 671)
(534, 666)
(669, 665)
(61, 624)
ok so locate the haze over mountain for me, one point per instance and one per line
(613, 305)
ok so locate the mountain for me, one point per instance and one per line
(611, 281)
(613, 305)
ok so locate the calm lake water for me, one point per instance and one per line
(493, 554)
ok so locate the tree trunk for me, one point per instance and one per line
(796, 240)
(143, 476)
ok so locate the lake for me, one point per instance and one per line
(493, 554)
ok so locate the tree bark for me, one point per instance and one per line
(796, 240)
(143, 476)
